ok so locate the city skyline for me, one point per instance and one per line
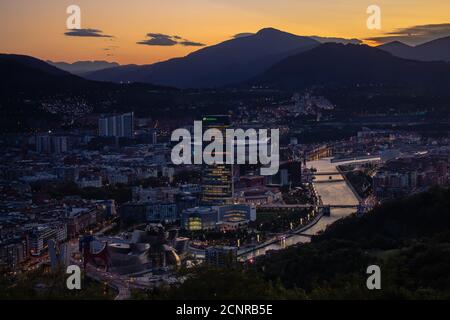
(146, 32)
(295, 150)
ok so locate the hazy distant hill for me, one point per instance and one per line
(435, 50)
(336, 65)
(398, 49)
(81, 67)
(25, 74)
(228, 62)
(26, 83)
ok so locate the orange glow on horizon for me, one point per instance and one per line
(37, 28)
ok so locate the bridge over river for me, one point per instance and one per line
(336, 194)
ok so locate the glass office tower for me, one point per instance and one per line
(217, 180)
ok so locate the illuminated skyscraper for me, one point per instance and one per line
(217, 180)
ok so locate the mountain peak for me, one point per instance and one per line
(395, 43)
(272, 32)
(269, 30)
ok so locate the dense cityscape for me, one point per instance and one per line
(116, 189)
(359, 141)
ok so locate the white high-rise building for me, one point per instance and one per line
(116, 125)
(47, 143)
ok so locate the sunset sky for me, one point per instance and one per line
(38, 28)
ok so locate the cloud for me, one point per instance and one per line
(159, 39)
(242, 35)
(416, 34)
(191, 44)
(95, 33)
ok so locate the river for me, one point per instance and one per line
(334, 191)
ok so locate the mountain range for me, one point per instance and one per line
(435, 50)
(240, 59)
(82, 67)
(297, 64)
(229, 62)
(270, 58)
(339, 65)
(21, 74)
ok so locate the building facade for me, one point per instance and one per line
(217, 179)
(121, 126)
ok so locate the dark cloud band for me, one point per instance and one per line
(94, 33)
(191, 44)
(415, 34)
(159, 39)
